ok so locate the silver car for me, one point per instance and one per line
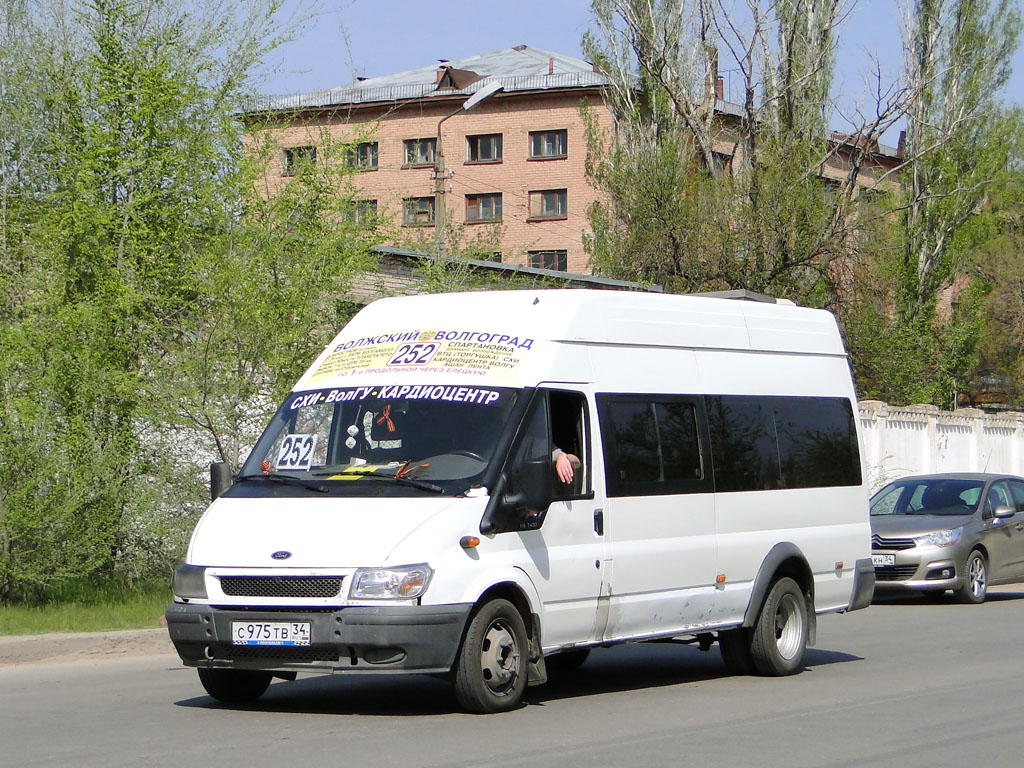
(961, 531)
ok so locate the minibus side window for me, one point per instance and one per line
(743, 444)
(817, 442)
(766, 443)
(652, 445)
(569, 434)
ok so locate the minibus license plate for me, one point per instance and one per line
(270, 633)
(883, 559)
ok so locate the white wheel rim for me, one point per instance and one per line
(499, 657)
(789, 627)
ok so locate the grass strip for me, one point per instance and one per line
(84, 612)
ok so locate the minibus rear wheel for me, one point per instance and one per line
(780, 633)
(234, 686)
(490, 673)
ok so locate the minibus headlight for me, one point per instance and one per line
(402, 583)
(189, 581)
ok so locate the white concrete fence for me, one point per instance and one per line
(921, 439)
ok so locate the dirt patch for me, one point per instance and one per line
(66, 646)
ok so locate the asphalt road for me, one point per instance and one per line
(903, 683)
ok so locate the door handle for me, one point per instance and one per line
(599, 522)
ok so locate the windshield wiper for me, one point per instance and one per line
(285, 480)
(412, 483)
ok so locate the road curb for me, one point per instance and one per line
(26, 649)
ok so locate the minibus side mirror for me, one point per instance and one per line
(220, 478)
(532, 483)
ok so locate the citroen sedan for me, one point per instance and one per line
(958, 531)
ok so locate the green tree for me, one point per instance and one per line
(138, 263)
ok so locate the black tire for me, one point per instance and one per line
(490, 673)
(566, 661)
(779, 637)
(734, 645)
(234, 686)
(975, 586)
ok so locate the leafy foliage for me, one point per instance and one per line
(757, 195)
(153, 298)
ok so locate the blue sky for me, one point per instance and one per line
(379, 37)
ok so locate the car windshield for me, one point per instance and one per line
(928, 496)
(397, 439)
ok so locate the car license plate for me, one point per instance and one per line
(883, 559)
(270, 632)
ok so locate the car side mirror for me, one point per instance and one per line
(1002, 512)
(220, 478)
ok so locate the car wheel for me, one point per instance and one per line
(566, 661)
(780, 635)
(734, 645)
(234, 686)
(490, 675)
(975, 579)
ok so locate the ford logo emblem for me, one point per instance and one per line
(281, 555)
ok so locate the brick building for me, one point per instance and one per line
(513, 165)
(510, 172)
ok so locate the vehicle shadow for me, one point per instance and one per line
(995, 595)
(607, 670)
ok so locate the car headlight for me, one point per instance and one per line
(189, 581)
(403, 583)
(940, 538)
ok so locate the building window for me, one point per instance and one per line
(418, 211)
(483, 149)
(549, 260)
(362, 212)
(363, 156)
(419, 152)
(297, 158)
(545, 145)
(483, 207)
(548, 204)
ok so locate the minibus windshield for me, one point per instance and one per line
(411, 438)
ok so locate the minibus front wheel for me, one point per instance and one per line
(490, 674)
(234, 686)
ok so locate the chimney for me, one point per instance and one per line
(441, 70)
(719, 89)
(551, 65)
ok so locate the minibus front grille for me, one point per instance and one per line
(878, 542)
(281, 586)
(895, 573)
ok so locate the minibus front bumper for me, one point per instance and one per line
(353, 639)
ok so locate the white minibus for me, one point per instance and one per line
(488, 485)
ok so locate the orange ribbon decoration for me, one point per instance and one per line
(386, 416)
(405, 469)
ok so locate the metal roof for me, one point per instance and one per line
(518, 69)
